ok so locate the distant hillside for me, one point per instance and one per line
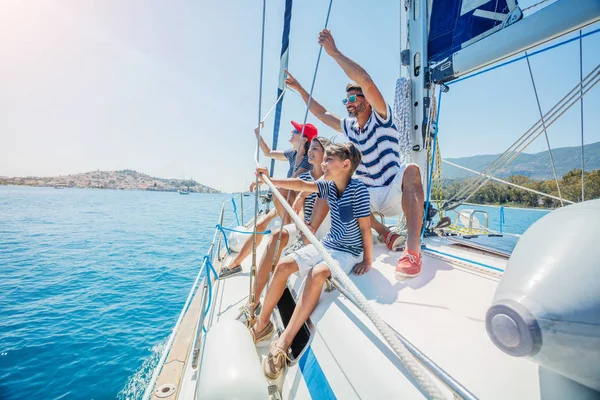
(536, 166)
(125, 180)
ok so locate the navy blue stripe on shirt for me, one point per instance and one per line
(354, 203)
(309, 201)
(378, 143)
(380, 173)
(381, 155)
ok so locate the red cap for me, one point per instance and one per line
(310, 131)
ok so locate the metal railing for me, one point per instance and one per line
(204, 284)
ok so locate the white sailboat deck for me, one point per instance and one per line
(441, 312)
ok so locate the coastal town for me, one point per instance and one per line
(117, 180)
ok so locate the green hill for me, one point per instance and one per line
(535, 166)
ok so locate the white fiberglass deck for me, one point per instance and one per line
(441, 312)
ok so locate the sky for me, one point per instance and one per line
(171, 88)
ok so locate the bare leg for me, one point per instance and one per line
(381, 229)
(247, 247)
(412, 205)
(279, 207)
(307, 303)
(264, 267)
(285, 268)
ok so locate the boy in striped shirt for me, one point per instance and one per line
(349, 242)
(394, 188)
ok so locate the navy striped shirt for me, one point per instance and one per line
(378, 143)
(290, 154)
(345, 232)
(309, 201)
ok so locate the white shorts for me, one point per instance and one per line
(307, 257)
(387, 200)
(294, 232)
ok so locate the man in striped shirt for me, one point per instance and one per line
(394, 188)
(349, 242)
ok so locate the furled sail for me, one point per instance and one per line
(285, 47)
(456, 24)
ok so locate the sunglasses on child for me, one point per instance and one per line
(351, 98)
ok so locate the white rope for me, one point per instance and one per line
(408, 360)
(507, 183)
(273, 106)
(310, 96)
(403, 118)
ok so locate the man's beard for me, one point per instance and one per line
(357, 109)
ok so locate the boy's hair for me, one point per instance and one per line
(346, 151)
(324, 142)
(353, 86)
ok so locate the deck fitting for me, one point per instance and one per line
(165, 390)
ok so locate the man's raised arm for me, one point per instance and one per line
(356, 73)
(329, 119)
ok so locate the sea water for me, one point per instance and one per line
(92, 282)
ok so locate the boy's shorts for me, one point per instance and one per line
(294, 232)
(307, 257)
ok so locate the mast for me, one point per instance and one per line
(417, 20)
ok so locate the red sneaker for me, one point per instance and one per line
(393, 241)
(409, 265)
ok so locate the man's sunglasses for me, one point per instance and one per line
(351, 98)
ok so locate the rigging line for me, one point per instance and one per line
(400, 37)
(262, 59)
(310, 96)
(507, 182)
(568, 106)
(581, 106)
(537, 99)
(595, 75)
(534, 5)
(529, 133)
(433, 113)
(532, 138)
(522, 57)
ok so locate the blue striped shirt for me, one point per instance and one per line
(290, 154)
(309, 201)
(378, 142)
(345, 232)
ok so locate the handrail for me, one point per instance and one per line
(167, 349)
(412, 365)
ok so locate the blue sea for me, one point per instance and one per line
(92, 282)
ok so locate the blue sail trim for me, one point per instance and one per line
(456, 24)
(285, 44)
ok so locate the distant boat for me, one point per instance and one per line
(186, 190)
(60, 186)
